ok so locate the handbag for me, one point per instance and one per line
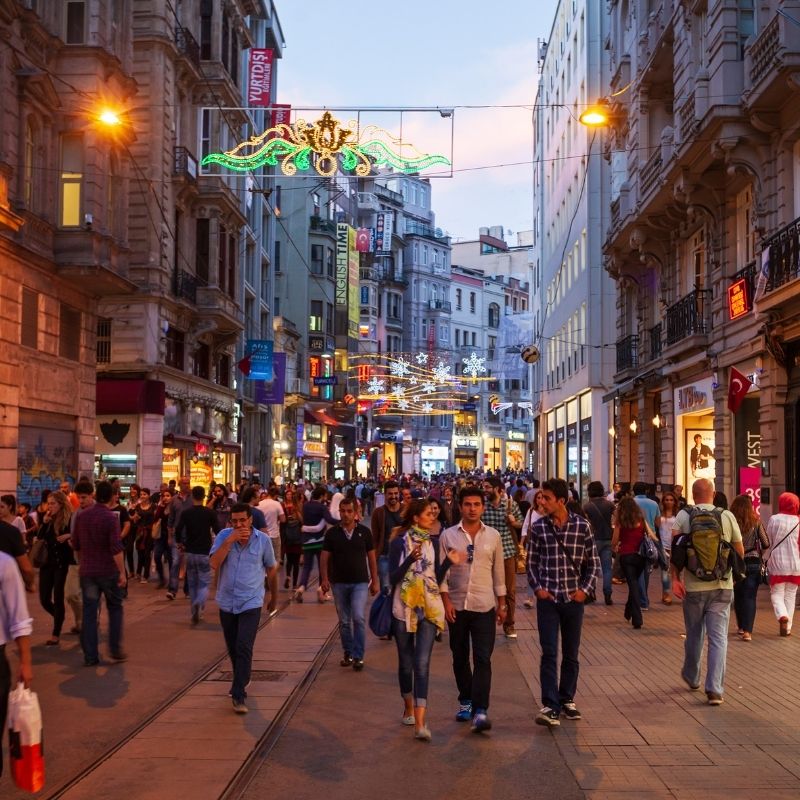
(39, 553)
(380, 614)
(648, 549)
(25, 739)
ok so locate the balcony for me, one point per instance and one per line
(687, 117)
(187, 45)
(690, 316)
(771, 60)
(215, 305)
(750, 275)
(184, 285)
(445, 306)
(369, 274)
(628, 353)
(367, 201)
(319, 225)
(413, 228)
(784, 267)
(184, 165)
(656, 341)
(388, 194)
(465, 430)
(650, 173)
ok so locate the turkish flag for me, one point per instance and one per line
(244, 365)
(737, 389)
(362, 240)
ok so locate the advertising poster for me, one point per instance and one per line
(700, 459)
(354, 299)
(260, 353)
(273, 392)
(259, 84)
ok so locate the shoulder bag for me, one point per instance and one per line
(39, 553)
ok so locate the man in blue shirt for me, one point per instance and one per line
(242, 556)
(652, 515)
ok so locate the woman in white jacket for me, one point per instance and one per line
(783, 530)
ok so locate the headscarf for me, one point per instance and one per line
(789, 503)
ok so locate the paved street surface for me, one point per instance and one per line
(162, 724)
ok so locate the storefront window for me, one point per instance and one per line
(561, 445)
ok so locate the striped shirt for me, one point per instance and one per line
(550, 568)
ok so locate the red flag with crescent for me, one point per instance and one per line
(738, 387)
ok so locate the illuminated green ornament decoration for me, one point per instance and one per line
(334, 147)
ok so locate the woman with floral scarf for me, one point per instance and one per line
(414, 573)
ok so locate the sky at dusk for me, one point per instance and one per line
(428, 53)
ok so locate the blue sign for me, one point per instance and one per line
(260, 353)
(273, 392)
(326, 380)
(469, 407)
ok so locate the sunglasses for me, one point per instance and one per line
(470, 553)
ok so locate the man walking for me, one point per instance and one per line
(503, 514)
(599, 511)
(99, 551)
(273, 518)
(474, 598)
(179, 503)
(194, 535)
(563, 567)
(384, 519)
(241, 555)
(706, 604)
(347, 552)
(652, 515)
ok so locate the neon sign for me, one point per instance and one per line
(326, 145)
(738, 299)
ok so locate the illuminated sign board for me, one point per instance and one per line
(738, 299)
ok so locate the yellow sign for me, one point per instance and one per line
(200, 474)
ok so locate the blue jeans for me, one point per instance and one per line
(706, 613)
(174, 567)
(309, 556)
(240, 635)
(552, 619)
(383, 572)
(161, 553)
(414, 659)
(351, 608)
(606, 562)
(198, 575)
(474, 685)
(91, 589)
(744, 596)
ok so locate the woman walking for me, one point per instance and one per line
(53, 574)
(669, 510)
(292, 535)
(784, 560)
(630, 529)
(417, 609)
(754, 540)
(144, 514)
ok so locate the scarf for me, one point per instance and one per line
(419, 590)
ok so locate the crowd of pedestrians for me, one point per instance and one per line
(446, 554)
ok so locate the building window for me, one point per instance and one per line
(76, 22)
(200, 361)
(424, 254)
(331, 263)
(206, 13)
(205, 137)
(494, 315)
(202, 247)
(71, 180)
(29, 333)
(223, 376)
(472, 302)
(315, 317)
(458, 338)
(103, 340)
(174, 341)
(69, 333)
(329, 319)
(276, 260)
(317, 255)
(458, 301)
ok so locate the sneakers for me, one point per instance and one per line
(511, 632)
(170, 595)
(464, 713)
(347, 660)
(666, 599)
(409, 720)
(714, 699)
(423, 734)
(693, 687)
(358, 664)
(570, 711)
(548, 718)
(195, 615)
(480, 722)
(528, 603)
(239, 707)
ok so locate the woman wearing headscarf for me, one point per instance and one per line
(784, 560)
(417, 609)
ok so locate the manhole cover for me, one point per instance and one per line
(255, 675)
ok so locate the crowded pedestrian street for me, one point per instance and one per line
(160, 724)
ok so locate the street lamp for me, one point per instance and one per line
(596, 116)
(109, 118)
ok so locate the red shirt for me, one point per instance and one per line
(96, 539)
(630, 539)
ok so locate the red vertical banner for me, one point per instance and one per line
(259, 83)
(281, 114)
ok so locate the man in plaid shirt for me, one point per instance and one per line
(503, 514)
(563, 567)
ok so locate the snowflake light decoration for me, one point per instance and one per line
(421, 358)
(473, 365)
(442, 372)
(428, 387)
(398, 391)
(427, 407)
(416, 398)
(376, 386)
(412, 381)
(402, 405)
(400, 368)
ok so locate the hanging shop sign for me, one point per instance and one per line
(694, 397)
(739, 301)
(273, 392)
(327, 145)
(342, 263)
(281, 114)
(259, 84)
(518, 435)
(259, 353)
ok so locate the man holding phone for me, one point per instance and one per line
(241, 555)
(474, 597)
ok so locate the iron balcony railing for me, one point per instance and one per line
(784, 255)
(187, 45)
(185, 285)
(184, 163)
(440, 305)
(656, 341)
(689, 316)
(628, 353)
(750, 275)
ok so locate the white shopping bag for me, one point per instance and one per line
(25, 739)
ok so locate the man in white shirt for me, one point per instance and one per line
(474, 597)
(274, 517)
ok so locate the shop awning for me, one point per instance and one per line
(226, 447)
(312, 416)
(118, 396)
(623, 388)
(179, 440)
(206, 437)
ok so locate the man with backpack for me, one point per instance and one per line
(701, 543)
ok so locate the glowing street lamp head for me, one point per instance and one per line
(109, 117)
(596, 116)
